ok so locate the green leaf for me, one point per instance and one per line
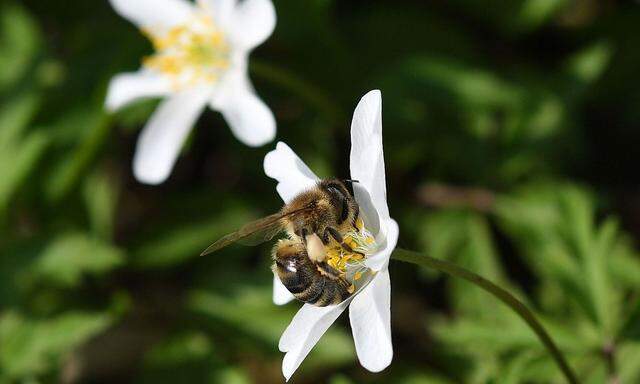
(464, 237)
(177, 243)
(32, 347)
(94, 127)
(240, 307)
(554, 225)
(533, 13)
(15, 116)
(19, 43)
(179, 349)
(470, 87)
(68, 258)
(588, 65)
(19, 151)
(421, 378)
(627, 362)
(101, 196)
(232, 376)
(16, 165)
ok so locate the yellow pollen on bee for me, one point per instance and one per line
(192, 53)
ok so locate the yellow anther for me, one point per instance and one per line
(360, 242)
(192, 53)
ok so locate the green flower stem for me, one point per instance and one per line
(504, 296)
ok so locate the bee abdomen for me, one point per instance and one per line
(334, 293)
(302, 277)
(313, 293)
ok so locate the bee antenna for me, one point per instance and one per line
(350, 181)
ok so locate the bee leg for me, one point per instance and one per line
(302, 233)
(338, 237)
(354, 221)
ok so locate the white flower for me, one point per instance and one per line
(201, 56)
(369, 307)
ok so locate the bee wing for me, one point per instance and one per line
(254, 233)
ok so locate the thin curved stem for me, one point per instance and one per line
(504, 296)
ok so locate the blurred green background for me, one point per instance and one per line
(511, 135)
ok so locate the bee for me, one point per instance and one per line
(312, 220)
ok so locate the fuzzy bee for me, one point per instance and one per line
(312, 221)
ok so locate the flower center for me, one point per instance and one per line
(191, 53)
(362, 242)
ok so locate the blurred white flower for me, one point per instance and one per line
(200, 59)
(369, 307)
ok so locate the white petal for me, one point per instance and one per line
(163, 136)
(221, 10)
(281, 294)
(368, 212)
(250, 23)
(367, 159)
(304, 331)
(154, 14)
(380, 259)
(249, 118)
(370, 316)
(292, 174)
(127, 87)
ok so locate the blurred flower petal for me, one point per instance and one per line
(292, 174)
(249, 118)
(221, 32)
(127, 87)
(304, 331)
(370, 316)
(165, 133)
(251, 23)
(281, 294)
(220, 10)
(154, 14)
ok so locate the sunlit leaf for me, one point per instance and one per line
(19, 43)
(587, 65)
(67, 259)
(30, 347)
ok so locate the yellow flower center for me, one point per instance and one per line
(361, 242)
(191, 53)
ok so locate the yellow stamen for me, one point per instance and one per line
(192, 53)
(360, 241)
